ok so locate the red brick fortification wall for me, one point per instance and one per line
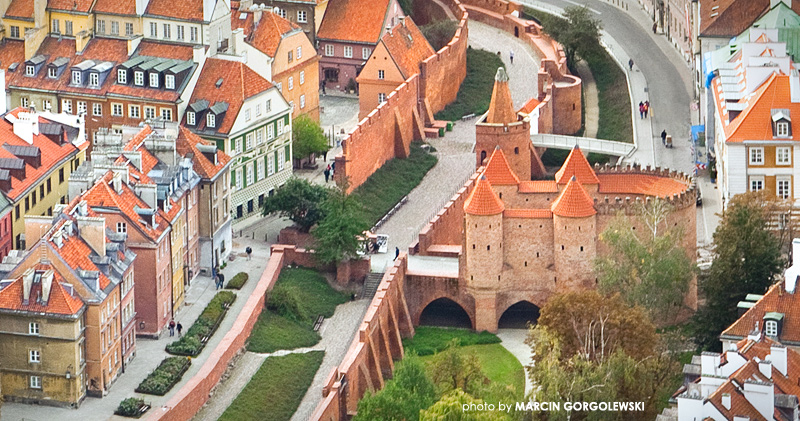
(446, 227)
(442, 73)
(369, 361)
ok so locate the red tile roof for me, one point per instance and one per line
(528, 213)
(530, 105)
(60, 301)
(732, 16)
(574, 201)
(20, 9)
(354, 20)
(165, 50)
(187, 143)
(483, 201)
(239, 83)
(11, 51)
(650, 185)
(75, 253)
(241, 19)
(80, 6)
(116, 7)
(501, 108)
(576, 166)
(498, 172)
(191, 10)
(269, 32)
(740, 406)
(538, 186)
(788, 384)
(407, 47)
(775, 300)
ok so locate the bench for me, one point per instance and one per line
(468, 116)
(318, 322)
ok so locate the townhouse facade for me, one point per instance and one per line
(307, 14)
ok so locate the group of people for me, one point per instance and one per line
(329, 171)
(644, 108)
(219, 278)
(173, 326)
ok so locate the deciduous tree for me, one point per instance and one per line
(455, 368)
(299, 200)
(307, 138)
(579, 35)
(451, 408)
(338, 236)
(403, 397)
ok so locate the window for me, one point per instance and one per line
(56, 26)
(14, 31)
(114, 27)
(248, 144)
(153, 29)
(94, 79)
(756, 183)
(122, 76)
(259, 136)
(281, 159)
(128, 29)
(280, 12)
(149, 113)
(381, 74)
(756, 156)
(180, 32)
(169, 81)
(76, 77)
(291, 83)
(97, 109)
(138, 78)
(270, 132)
(348, 51)
(302, 17)
(783, 156)
(280, 127)
(30, 70)
(101, 27)
(381, 97)
(237, 145)
(193, 34)
(33, 328)
(116, 110)
(782, 129)
(784, 188)
(122, 228)
(302, 101)
(47, 105)
(36, 382)
(81, 107)
(258, 110)
(66, 106)
(269, 105)
(250, 174)
(154, 80)
(166, 114)
(329, 50)
(167, 28)
(211, 120)
(260, 169)
(290, 56)
(771, 328)
(271, 164)
(365, 53)
(34, 356)
(23, 101)
(247, 115)
(239, 180)
(190, 118)
(134, 111)
(51, 72)
(68, 27)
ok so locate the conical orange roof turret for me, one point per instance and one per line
(573, 202)
(576, 166)
(501, 108)
(482, 201)
(498, 172)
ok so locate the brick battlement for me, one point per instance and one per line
(648, 170)
(627, 204)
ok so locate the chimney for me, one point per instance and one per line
(403, 20)
(389, 29)
(27, 282)
(726, 400)
(257, 13)
(765, 367)
(47, 282)
(141, 6)
(238, 41)
(133, 44)
(777, 354)
(93, 232)
(116, 182)
(58, 239)
(244, 5)
(791, 274)
(26, 126)
(198, 54)
(83, 208)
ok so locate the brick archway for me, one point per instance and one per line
(444, 311)
(517, 315)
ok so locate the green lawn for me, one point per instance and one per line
(430, 339)
(276, 389)
(273, 332)
(394, 180)
(556, 157)
(475, 92)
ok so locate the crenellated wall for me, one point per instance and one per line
(445, 228)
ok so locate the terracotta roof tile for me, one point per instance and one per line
(650, 185)
(407, 47)
(116, 7)
(483, 201)
(775, 300)
(788, 384)
(11, 51)
(574, 201)
(740, 406)
(501, 107)
(269, 31)
(528, 213)
(241, 19)
(755, 122)
(732, 16)
(354, 20)
(191, 10)
(187, 143)
(165, 50)
(498, 172)
(576, 165)
(60, 301)
(20, 9)
(530, 105)
(80, 6)
(75, 253)
(538, 186)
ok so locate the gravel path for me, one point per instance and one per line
(514, 342)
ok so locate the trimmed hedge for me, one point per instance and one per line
(429, 340)
(131, 407)
(164, 377)
(238, 281)
(206, 324)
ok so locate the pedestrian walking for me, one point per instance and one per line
(327, 173)
(333, 168)
(630, 64)
(249, 252)
(641, 109)
(664, 137)
(646, 108)
(323, 87)
(511, 56)
(220, 280)
(180, 329)
(324, 156)
(396, 253)
(172, 328)
(655, 27)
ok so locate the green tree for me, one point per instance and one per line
(455, 368)
(307, 138)
(338, 235)
(403, 397)
(298, 200)
(450, 408)
(746, 258)
(439, 33)
(578, 32)
(649, 268)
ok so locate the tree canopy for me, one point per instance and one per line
(338, 236)
(409, 391)
(578, 32)
(307, 138)
(439, 33)
(299, 200)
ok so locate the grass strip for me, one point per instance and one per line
(429, 340)
(475, 92)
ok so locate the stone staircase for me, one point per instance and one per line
(371, 285)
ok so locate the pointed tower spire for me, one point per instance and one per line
(482, 201)
(576, 166)
(501, 108)
(573, 202)
(498, 171)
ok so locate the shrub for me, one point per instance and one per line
(429, 340)
(439, 33)
(130, 407)
(192, 342)
(285, 302)
(238, 281)
(166, 375)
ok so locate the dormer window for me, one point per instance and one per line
(122, 76)
(190, 118)
(76, 77)
(94, 79)
(773, 322)
(154, 80)
(138, 78)
(782, 129)
(211, 120)
(781, 122)
(169, 81)
(30, 70)
(52, 72)
(771, 328)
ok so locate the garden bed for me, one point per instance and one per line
(238, 280)
(132, 408)
(165, 376)
(206, 324)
